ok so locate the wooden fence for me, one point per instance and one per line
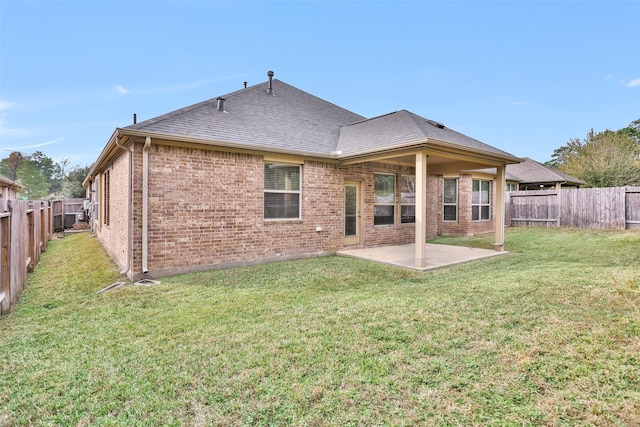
(605, 208)
(25, 230)
(67, 212)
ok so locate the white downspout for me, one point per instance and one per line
(145, 204)
(129, 207)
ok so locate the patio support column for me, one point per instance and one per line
(421, 210)
(499, 208)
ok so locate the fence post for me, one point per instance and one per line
(5, 262)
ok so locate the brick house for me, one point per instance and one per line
(271, 172)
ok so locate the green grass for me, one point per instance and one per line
(547, 335)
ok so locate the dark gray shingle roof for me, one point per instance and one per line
(296, 121)
(291, 120)
(403, 128)
(532, 172)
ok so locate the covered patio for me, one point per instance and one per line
(437, 255)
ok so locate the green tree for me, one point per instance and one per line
(9, 166)
(633, 130)
(72, 184)
(53, 172)
(602, 159)
(33, 182)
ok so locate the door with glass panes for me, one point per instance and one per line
(351, 213)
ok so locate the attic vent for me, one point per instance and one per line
(436, 124)
(270, 88)
(220, 105)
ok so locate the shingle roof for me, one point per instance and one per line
(532, 172)
(291, 119)
(296, 121)
(402, 128)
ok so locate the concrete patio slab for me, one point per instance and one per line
(404, 255)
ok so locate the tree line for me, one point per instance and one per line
(602, 159)
(42, 178)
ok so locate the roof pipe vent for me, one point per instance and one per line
(220, 105)
(245, 85)
(270, 88)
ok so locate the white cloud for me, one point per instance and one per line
(5, 105)
(42, 144)
(122, 90)
(10, 132)
(634, 83)
(608, 77)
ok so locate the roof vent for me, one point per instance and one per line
(270, 88)
(436, 124)
(220, 105)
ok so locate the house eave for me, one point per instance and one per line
(433, 146)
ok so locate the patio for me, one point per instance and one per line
(437, 255)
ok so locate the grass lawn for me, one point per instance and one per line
(547, 335)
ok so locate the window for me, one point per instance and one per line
(408, 199)
(281, 191)
(384, 199)
(450, 199)
(105, 217)
(512, 187)
(480, 200)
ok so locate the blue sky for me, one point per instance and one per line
(522, 76)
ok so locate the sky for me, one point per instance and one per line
(523, 76)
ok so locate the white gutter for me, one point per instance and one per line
(129, 207)
(145, 204)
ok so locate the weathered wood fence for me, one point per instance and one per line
(25, 230)
(67, 212)
(605, 208)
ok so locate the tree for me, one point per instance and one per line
(33, 182)
(53, 172)
(72, 184)
(602, 159)
(9, 166)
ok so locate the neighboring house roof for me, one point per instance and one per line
(532, 172)
(7, 182)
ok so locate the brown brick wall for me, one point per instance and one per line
(114, 235)
(206, 210)
(464, 226)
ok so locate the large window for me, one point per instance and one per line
(384, 199)
(450, 199)
(408, 199)
(480, 200)
(281, 191)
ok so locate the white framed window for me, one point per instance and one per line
(407, 199)
(282, 194)
(384, 187)
(480, 200)
(450, 199)
(512, 186)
